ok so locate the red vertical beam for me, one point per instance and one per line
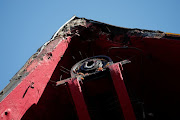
(121, 91)
(78, 99)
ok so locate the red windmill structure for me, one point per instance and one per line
(91, 70)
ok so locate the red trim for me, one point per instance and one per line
(30, 89)
(122, 92)
(78, 99)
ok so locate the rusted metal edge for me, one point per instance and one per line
(33, 61)
(60, 35)
(62, 27)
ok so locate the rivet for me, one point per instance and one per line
(6, 113)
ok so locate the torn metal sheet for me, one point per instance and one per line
(85, 50)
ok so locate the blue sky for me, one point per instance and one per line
(25, 25)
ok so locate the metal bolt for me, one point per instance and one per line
(6, 113)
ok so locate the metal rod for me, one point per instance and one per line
(80, 54)
(108, 29)
(65, 68)
(119, 57)
(74, 58)
(60, 77)
(64, 71)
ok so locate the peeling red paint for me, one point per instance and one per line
(39, 76)
(145, 88)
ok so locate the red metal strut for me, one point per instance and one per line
(121, 92)
(78, 99)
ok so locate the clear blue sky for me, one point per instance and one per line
(25, 25)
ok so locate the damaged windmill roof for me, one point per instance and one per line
(41, 67)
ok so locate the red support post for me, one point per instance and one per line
(121, 91)
(78, 99)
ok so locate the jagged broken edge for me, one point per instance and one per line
(62, 33)
(22, 73)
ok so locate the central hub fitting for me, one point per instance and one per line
(90, 66)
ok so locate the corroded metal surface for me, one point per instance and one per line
(154, 57)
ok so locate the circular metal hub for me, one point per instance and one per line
(90, 65)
